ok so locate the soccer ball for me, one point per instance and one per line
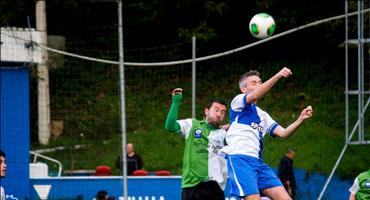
(262, 25)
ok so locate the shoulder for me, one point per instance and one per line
(186, 122)
(238, 102)
(263, 114)
(239, 97)
(364, 175)
(260, 111)
(283, 159)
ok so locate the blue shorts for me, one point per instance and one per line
(249, 175)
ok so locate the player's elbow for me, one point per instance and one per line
(283, 136)
(283, 133)
(280, 132)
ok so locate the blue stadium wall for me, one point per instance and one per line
(14, 129)
(169, 188)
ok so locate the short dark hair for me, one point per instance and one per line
(102, 195)
(246, 75)
(2, 154)
(216, 100)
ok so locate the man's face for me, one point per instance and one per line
(250, 84)
(2, 167)
(291, 154)
(129, 148)
(215, 114)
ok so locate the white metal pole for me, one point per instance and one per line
(346, 69)
(361, 68)
(194, 80)
(342, 152)
(43, 104)
(359, 44)
(122, 96)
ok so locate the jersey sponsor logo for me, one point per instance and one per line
(198, 133)
(256, 126)
(200, 146)
(214, 148)
(367, 183)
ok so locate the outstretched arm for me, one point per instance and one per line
(171, 121)
(286, 132)
(265, 87)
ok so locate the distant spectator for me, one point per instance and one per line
(286, 173)
(134, 161)
(360, 189)
(2, 173)
(102, 195)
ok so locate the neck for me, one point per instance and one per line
(206, 120)
(211, 124)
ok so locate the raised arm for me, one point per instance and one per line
(261, 90)
(171, 120)
(286, 132)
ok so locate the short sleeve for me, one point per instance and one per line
(238, 103)
(355, 187)
(185, 125)
(2, 193)
(270, 124)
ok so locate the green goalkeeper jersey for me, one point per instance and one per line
(201, 161)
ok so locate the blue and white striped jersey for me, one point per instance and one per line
(249, 124)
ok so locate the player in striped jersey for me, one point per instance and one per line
(204, 173)
(249, 175)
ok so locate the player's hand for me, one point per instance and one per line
(176, 91)
(285, 72)
(306, 113)
(225, 126)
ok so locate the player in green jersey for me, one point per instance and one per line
(360, 189)
(204, 173)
